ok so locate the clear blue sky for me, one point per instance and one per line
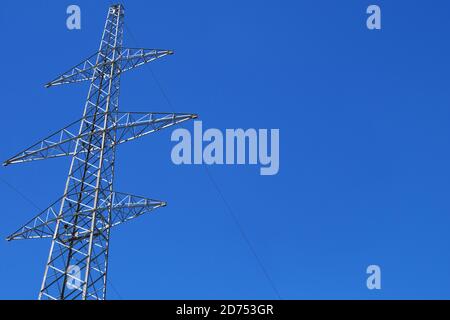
(364, 126)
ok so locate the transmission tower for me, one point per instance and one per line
(79, 223)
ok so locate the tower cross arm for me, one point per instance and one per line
(125, 126)
(59, 143)
(123, 207)
(126, 207)
(132, 125)
(84, 71)
(100, 65)
(131, 58)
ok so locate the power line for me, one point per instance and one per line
(114, 289)
(242, 232)
(216, 187)
(20, 194)
(158, 83)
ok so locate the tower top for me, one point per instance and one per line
(117, 8)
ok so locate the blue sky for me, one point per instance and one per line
(364, 133)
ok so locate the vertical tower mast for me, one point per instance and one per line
(91, 177)
(80, 222)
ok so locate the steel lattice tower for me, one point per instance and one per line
(79, 223)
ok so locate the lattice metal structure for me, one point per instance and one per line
(79, 223)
